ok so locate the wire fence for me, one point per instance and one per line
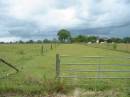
(7, 69)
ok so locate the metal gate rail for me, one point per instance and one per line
(58, 68)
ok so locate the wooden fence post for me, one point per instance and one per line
(42, 50)
(51, 46)
(57, 65)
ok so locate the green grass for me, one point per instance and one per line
(37, 71)
(113, 46)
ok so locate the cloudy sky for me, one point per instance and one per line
(39, 19)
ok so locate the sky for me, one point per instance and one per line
(40, 19)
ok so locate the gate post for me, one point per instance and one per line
(57, 65)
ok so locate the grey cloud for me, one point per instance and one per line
(113, 31)
(95, 17)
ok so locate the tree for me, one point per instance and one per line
(64, 35)
(30, 41)
(116, 40)
(39, 41)
(83, 38)
(20, 41)
(126, 40)
(80, 38)
(92, 39)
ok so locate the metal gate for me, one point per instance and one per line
(116, 67)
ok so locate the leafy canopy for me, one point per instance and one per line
(64, 35)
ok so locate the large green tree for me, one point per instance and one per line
(64, 35)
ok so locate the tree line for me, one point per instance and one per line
(31, 41)
(65, 36)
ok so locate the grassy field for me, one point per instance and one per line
(37, 71)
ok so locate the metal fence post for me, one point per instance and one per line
(57, 65)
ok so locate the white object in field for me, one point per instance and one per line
(97, 41)
(102, 42)
(89, 42)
